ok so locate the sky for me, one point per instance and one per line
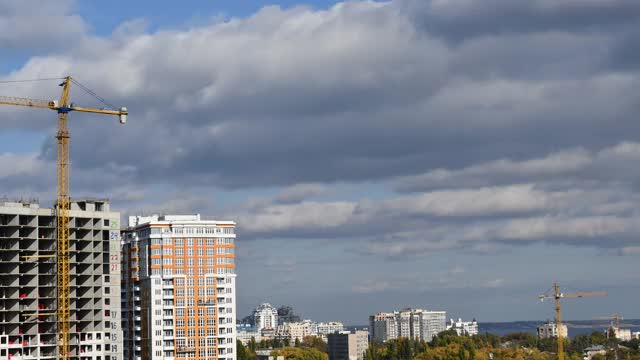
(456, 155)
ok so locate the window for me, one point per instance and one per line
(106, 222)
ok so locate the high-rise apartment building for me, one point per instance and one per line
(431, 323)
(179, 288)
(408, 323)
(28, 285)
(265, 316)
(383, 327)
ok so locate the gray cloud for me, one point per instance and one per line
(495, 131)
(40, 24)
(463, 19)
(605, 166)
(357, 92)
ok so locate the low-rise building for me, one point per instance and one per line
(467, 328)
(245, 333)
(550, 329)
(590, 352)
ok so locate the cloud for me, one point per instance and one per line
(360, 91)
(29, 25)
(492, 131)
(299, 192)
(607, 165)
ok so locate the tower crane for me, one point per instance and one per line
(557, 295)
(63, 107)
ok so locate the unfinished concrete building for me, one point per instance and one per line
(28, 286)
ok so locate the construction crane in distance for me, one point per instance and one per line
(63, 107)
(616, 326)
(557, 295)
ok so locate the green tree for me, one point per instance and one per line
(293, 353)
(241, 351)
(314, 342)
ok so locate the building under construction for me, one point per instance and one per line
(28, 285)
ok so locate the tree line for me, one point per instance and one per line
(448, 345)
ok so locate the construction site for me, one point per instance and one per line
(60, 269)
(28, 281)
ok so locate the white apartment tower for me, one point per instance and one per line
(28, 286)
(179, 291)
(408, 323)
(265, 317)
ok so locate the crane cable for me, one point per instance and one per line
(83, 87)
(92, 93)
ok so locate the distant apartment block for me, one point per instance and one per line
(323, 329)
(179, 288)
(299, 330)
(550, 329)
(245, 333)
(265, 316)
(28, 281)
(408, 323)
(464, 328)
(346, 345)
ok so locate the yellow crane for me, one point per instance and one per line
(557, 295)
(63, 107)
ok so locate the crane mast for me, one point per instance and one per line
(63, 202)
(557, 295)
(63, 205)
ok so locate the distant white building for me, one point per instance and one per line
(408, 323)
(265, 316)
(622, 334)
(323, 329)
(245, 333)
(550, 329)
(295, 331)
(468, 328)
(432, 323)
